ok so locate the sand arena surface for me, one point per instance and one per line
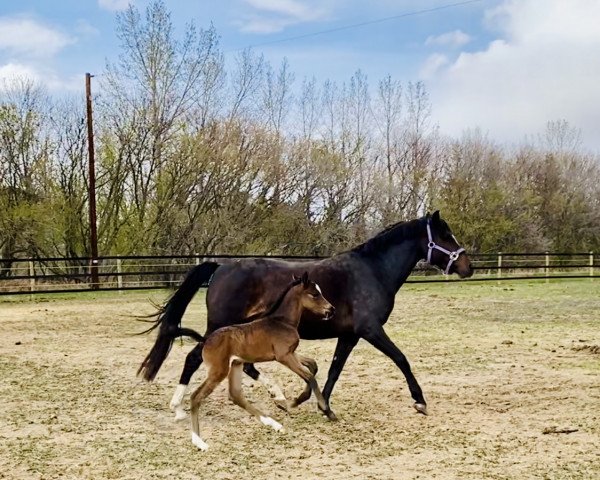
(500, 365)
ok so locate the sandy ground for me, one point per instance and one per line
(499, 365)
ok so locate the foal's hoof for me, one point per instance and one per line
(274, 424)
(421, 408)
(330, 415)
(180, 414)
(282, 404)
(199, 443)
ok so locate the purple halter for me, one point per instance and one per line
(452, 256)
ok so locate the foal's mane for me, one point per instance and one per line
(392, 234)
(275, 304)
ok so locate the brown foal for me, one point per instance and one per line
(274, 337)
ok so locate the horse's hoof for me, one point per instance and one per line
(421, 408)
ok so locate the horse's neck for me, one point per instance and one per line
(290, 309)
(397, 261)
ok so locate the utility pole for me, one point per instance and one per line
(92, 185)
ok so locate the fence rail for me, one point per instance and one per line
(60, 275)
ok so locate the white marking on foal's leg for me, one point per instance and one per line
(199, 443)
(234, 358)
(177, 400)
(272, 386)
(271, 423)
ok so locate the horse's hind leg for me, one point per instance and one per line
(237, 396)
(215, 376)
(291, 361)
(312, 366)
(192, 364)
(273, 388)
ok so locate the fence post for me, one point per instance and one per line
(119, 276)
(197, 258)
(499, 269)
(592, 266)
(32, 275)
(547, 269)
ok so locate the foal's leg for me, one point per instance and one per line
(312, 366)
(291, 361)
(192, 363)
(215, 376)
(237, 396)
(273, 388)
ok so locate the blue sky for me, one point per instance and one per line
(505, 66)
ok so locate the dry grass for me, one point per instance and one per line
(500, 366)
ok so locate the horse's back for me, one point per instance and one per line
(248, 286)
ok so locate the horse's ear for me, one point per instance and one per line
(305, 279)
(435, 218)
(295, 278)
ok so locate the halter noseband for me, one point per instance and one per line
(452, 256)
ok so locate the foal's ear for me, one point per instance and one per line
(295, 278)
(435, 218)
(305, 279)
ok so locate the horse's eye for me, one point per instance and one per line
(314, 295)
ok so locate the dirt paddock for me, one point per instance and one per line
(511, 373)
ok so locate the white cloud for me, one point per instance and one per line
(85, 28)
(544, 67)
(47, 77)
(457, 38)
(12, 71)
(290, 8)
(26, 36)
(256, 24)
(432, 65)
(114, 5)
(270, 16)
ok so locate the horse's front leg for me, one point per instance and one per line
(344, 347)
(377, 337)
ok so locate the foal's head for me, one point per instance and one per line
(311, 297)
(443, 250)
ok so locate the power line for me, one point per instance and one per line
(361, 24)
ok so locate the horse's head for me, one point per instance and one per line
(312, 299)
(442, 250)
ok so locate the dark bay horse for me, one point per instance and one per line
(361, 284)
(272, 336)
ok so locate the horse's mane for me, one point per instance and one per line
(392, 234)
(275, 304)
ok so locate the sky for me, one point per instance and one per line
(504, 66)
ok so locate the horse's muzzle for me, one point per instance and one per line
(465, 272)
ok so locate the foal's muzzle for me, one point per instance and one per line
(329, 313)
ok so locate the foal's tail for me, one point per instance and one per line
(168, 319)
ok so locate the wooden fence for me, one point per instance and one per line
(59, 275)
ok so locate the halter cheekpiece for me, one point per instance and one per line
(452, 256)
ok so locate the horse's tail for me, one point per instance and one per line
(168, 319)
